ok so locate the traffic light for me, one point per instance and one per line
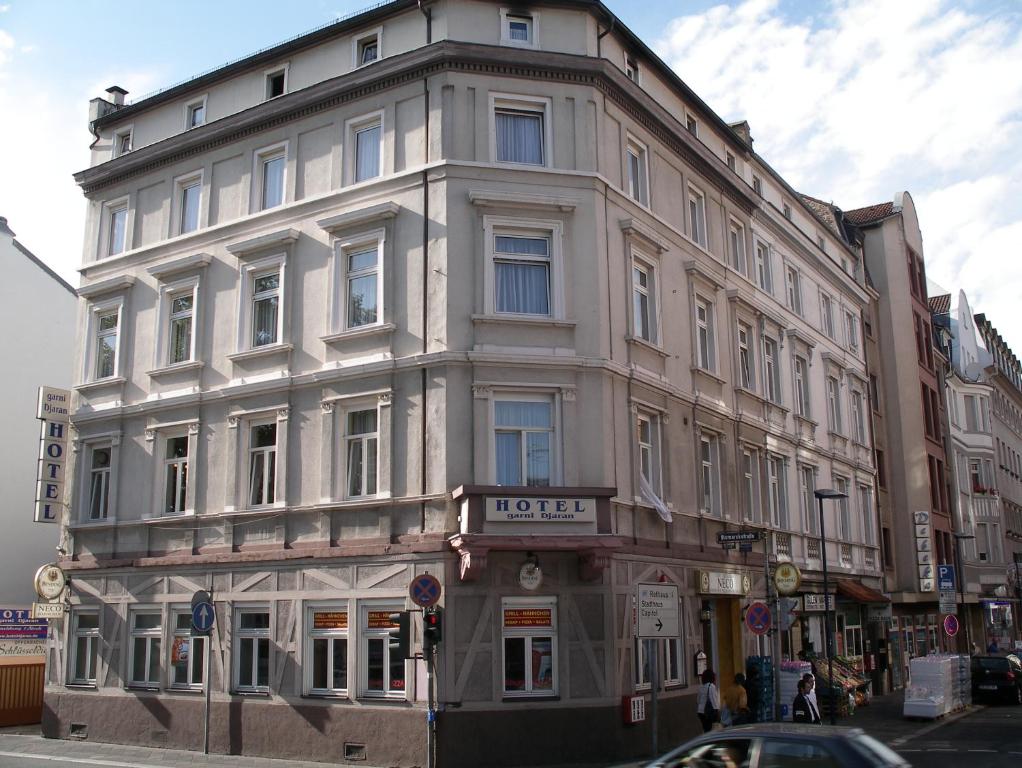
(432, 626)
(400, 635)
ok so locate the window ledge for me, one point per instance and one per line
(252, 694)
(150, 519)
(109, 381)
(746, 391)
(531, 697)
(257, 352)
(494, 199)
(711, 375)
(777, 406)
(82, 686)
(166, 370)
(379, 329)
(648, 345)
(807, 420)
(536, 320)
(106, 522)
(837, 436)
(142, 688)
(189, 690)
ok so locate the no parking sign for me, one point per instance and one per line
(757, 618)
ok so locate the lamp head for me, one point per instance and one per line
(829, 493)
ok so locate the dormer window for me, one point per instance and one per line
(122, 142)
(631, 69)
(517, 28)
(276, 83)
(367, 48)
(195, 114)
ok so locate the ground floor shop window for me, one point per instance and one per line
(998, 625)
(252, 653)
(187, 654)
(383, 669)
(327, 654)
(529, 635)
(670, 667)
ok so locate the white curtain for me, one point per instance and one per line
(367, 153)
(522, 286)
(519, 137)
(273, 182)
(649, 495)
(516, 419)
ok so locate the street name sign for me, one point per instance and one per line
(657, 611)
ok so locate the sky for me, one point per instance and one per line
(851, 101)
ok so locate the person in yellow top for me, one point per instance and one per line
(736, 703)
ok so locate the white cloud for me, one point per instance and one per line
(867, 97)
(5, 8)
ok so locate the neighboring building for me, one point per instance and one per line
(1004, 372)
(909, 373)
(457, 289)
(39, 308)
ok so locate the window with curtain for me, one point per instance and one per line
(265, 301)
(697, 216)
(524, 441)
(181, 310)
(262, 464)
(764, 278)
(704, 335)
(363, 276)
(771, 371)
(637, 173)
(519, 136)
(750, 471)
(361, 438)
(106, 343)
(807, 491)
(272, 181)
(175, 475)
(801, 386)
(745, 364)
(118, 230)
(643, 302)
(736, 234)
(99, 482)
(190, 192)
(521, 273)
(368, 151)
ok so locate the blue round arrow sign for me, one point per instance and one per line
(203, 617)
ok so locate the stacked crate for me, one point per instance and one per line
(759, 677)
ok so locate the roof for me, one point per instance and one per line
(940, 305)
(860, 593)
(871, 214)
(6, 230)
(825, 211)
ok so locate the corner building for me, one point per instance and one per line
(350, 302)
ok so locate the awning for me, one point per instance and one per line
(860, 593)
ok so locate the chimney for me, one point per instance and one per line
(4, 229)
(117, 95)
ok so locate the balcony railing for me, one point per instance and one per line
(846, 555)
(782, 544)
(813, 549)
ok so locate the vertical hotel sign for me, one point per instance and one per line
(53, 410)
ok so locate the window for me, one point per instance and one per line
(195, 114)
(643, 660)
(746, 370)
(670, 662)
(262, 464)
(771, 371)
(777, 491)
(175, 475)
(757, 185)
(736, 233)
(731, 160)
(764, 277)
(750, 476)
(252, 651)
(648, 429)
(117, 227)
(361, 440)
(866, 511)
(792, 754)
(529, 646)
(179, 332)
(270, 170)
(802, 398)
(382, 673)
(365, 139)
(806, 497)
(520, 131)
(844, 520)
(85, 651)
(858, 418)
(644, 310)
(697, 216)
(187, 653)
(833, 404)
(874, 393)
(638, 185)
(524, 440)
(265, 308)
(521, 271)
(631, 69)
(276, 83)
(146, 631)
(122, 141)
(706, 347)
(327, 648)
(363, 285)
(189, 193)
(827, 314)
(107, 324)
(787, 211)
(793, 284)
(517, 28)
(691, 125)
(709, 452)
(99, 482)
(852, 331)
(367, 49)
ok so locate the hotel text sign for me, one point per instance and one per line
(53, 410)
(539, 509)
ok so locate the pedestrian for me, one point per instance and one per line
(992, 648)
(736, 703)
(708, 701)
(810, 691)
(800, 712)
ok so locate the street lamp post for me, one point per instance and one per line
(960, 576)
(821, 494)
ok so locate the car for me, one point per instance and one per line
(782, 745)
(997, 677)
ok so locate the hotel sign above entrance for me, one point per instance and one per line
(717, 583)
(539, 509)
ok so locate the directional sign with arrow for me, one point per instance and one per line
(657, 611)
(203, 613)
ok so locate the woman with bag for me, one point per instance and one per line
(708, 702)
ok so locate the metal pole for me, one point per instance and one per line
(656, 684)
(827, 616)
(209, 683)
(431, 715)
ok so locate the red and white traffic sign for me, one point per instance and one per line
(757, 618)
(425, 590)
(951, 625)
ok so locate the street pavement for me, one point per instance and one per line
(979, 737)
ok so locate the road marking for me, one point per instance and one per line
(984, 750)
(80, 760)
(937, 724)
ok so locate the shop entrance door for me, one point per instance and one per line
(729, 640)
